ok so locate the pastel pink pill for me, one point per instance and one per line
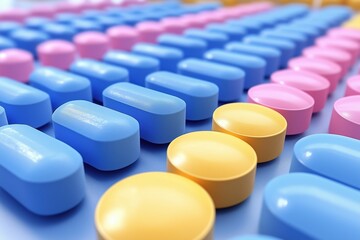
(92, 44)
(46, 11)
(15, 15)
(173, 25)
(348, 33)
(353, 86)
(342, 58)
(350, 46)
(258, 7)
(194, 21)
(57, 53)
(149, 31)
(327, 69)
(345, 118)
(16, 64)
(314, 85)
(295, 105)
(122, 37)
(67, 7)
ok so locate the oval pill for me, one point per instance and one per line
(59, 31)
(212, 39)
(233, 33)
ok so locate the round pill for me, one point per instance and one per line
(345, 118)
(261, 127)
(313, 84)
(295, 105)
(222, 164)
(149, 31)
(11, 60)
(92, 44)
(353, 86)
(122, 37)
(56, 53)
(327, 69)
(162, 205)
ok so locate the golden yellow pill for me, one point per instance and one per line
(222, 164)
(155, 205)
(261, 127)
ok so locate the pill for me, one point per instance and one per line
(168, 57)
(254, 67)
(3, 118)
(66, 18)
(286, 47)
(233, 33)
(213, 39)
(261, 127)
(230, 80)
(328, 155)
(15, 15)
(201, 97)
(132, 19)
(295, 105)
(56, 53)
(122, 37)
(192, 21)
(353, 86)
(6, 27)
(325, 68)
(226, 170)
(340, 57)
(311, 32)
(269, 54)
(91, 14)
(11, 60)
(149, 31)
(178, 205)
(108, 22)
(161, 116)
(345, 117)
(113, 136)
(28, 39)
(45, 11)
(138, 66)
(61, 86)
(70, 7)
(313, 84)
(322, 27)
(44, 175)
(173, 25)
(251, 26)
(347, 33)
(82, 25)
(190, 47)
(92, 44)
(36, 22)
(306, 206)
(6, 43)
(59, 31)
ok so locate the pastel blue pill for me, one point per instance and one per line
(131, 19)
(307, 206)
(6, 43)
(24, 104)
(189, 47)
(161, 116)
(138, 66)
(254, 237)
(108, 22)
(36, 23)
(66, 18)
(6, 27)
(254, 67)
(168, 57)
(251, 26)
(233, 33)
(286, 47)
(44, 175)
(311, 32)
(81, 25)
(298, 39)
(269, 54)
(106, 139)
(152, 16)
(213, 39)
(100, 74)
(3, 119)
(61, 85)
(201, 97)
(59, 31)
(332, 156)
(322, 28)
(28, 39)
(91, 14)
(230, 80)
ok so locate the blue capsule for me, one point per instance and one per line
(3, 119)
(6, 43)
(161, 116)
(251, 25)
(6, 27)
(61, 86)
(201, 97)
(189, 47)
(24, 104)
(232, 32)
(213, 39)
(269, 54)
(138, 66)
(107, 140)
(311, 32)
(28, 39)
(59, 31)
(44, 175)
(36, 23)
(230, 80)
(306, 206)
(168, 57)
(254, 67)
(107, 22)
(82, 25)
(66, 18)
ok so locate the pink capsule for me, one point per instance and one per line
(67, 7)
(173, 25)
(194, 21)
(92, 44)
(353, 86)
(342, 58)
(15, 15)
(327, 69)
(16, 64)
(45, 11)
(345, 118)
(57, 53)
(122, 37)
(314, 85)
(149, 31)
(347, 33)
(295, 105)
